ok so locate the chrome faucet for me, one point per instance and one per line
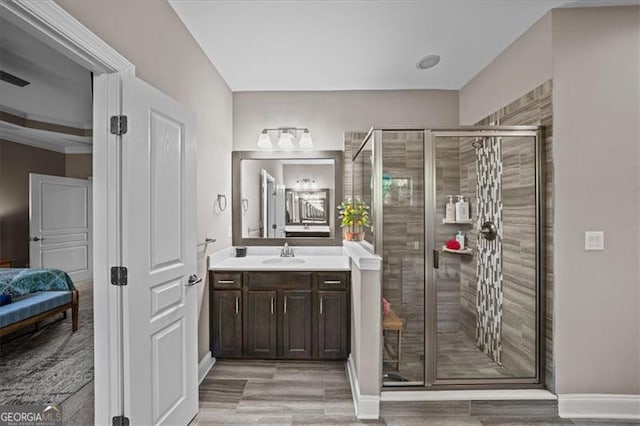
(286, 251)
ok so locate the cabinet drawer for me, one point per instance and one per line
(225, 280)
(279, 280)
(332, 281)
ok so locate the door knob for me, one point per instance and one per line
(489, 230)
(36, 239)
(193, 280)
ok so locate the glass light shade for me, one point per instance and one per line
(286, 140)
(264, 141)
(306, 141)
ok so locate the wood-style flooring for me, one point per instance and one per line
(290, 393)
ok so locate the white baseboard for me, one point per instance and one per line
(205, 365)
(468, 395)
(599, 406)
(367, 406)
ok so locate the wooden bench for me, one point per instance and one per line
(392, 322)
(40, 315)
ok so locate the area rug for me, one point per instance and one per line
(49, 365)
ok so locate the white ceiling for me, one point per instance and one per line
(59, 92)
(352, 45)
(60, 89)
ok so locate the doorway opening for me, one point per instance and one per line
(46, 243)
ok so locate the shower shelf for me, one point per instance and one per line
(466, 252)
(458, 222)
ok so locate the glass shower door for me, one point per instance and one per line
(402, 246)
(484, 282)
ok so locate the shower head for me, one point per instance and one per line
(478, 143)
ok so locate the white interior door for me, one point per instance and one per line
(280, 216)
(159, 250)
(60, 225)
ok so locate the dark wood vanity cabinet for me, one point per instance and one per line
(333, 323)
(260, 331)
(226, 323)
(283, 315)
(296, 325)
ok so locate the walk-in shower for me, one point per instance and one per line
(465, 313)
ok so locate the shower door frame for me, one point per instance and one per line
(431, 307)
(430, 321)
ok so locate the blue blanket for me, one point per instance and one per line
(20, 282)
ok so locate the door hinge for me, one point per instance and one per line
(118, 275)
(118, 124)
(120, 421)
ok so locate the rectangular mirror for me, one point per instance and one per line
(286, 197)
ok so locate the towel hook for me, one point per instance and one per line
(221, 201)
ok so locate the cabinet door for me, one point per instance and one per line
(296, 324)
(333, 323)
(260, 330)
(226, 323)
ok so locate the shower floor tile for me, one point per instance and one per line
(458, 357)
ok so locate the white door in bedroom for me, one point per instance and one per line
(159, 250)
(60, 225)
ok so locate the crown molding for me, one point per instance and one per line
(56, 27)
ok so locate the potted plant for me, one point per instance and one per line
(354, 215)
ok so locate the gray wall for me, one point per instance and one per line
(521, 67)
(154, 39)
(596, 96)
(595, 68)
(79, 166)
(16, 162)
(328, 115)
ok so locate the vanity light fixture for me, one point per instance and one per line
(264, 140)
(306, 184)
(305, 139)
(286, 138)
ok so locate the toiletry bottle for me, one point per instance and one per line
(458, 212)
(460, 239)
(462, 209)
(450, 215)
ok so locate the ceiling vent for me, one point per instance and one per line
(12, 79)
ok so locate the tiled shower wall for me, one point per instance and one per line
(447, 168)
(457, 296)
(518, 332)
(403, 228)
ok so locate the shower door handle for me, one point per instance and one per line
(436, 259)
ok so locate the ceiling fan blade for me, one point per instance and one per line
(12, 79)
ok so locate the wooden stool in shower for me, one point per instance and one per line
(392, 322)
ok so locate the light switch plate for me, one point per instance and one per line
(594, 240)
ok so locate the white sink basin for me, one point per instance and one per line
(283, 261)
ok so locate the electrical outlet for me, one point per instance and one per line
(594, 240)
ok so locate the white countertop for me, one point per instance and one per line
(306, 259)
(255, 263)
(330, 258)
